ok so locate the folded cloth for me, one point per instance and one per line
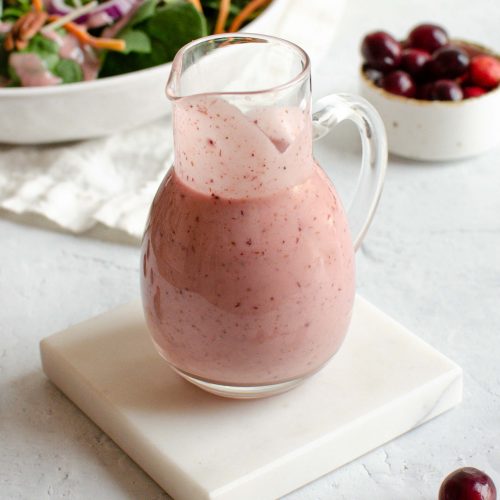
(111, 180)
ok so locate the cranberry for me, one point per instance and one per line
(428, 37)
(413, 61)
(446, 90)
(374, 75)
(448, 62)
(485, 71)
(467, 484)
(473, 92)
(381, 51)
(424, 92)
(400, 83)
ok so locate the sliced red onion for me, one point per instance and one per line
(112, 31)
(98, 20)
(59, 7)
(115, 8)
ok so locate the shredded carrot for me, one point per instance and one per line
(197, 4)
(224, 6)
(93, 41)
(245, 13)
(38, 5)
(98, 43)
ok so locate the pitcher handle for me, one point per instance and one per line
(333, 109)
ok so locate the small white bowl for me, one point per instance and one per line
(437, 130)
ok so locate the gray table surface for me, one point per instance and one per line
(431, 260)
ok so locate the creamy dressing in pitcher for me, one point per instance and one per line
(248, 266)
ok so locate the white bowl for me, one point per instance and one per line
(436, 130)
(36, 115)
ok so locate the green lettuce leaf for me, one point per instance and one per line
(169, 28)
(136, 41)
(69, 71)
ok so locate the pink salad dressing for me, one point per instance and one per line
(5, 27)
(31, 70)
(70, 48)
(248, 266)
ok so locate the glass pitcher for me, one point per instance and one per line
(248, 256)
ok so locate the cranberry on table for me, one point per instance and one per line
(413, 61)
(428, 37)
(468, 483)
(381, 51)
(485, 71)
(448, 62)
(446, 90)
(473, 92)
(399, 83)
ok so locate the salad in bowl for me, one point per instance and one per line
(103, 70)
(54, 42)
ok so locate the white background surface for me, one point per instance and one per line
(431, 260)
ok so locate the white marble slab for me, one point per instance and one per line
(383, 382)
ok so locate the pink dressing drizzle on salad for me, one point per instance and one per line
(31, 70)
(5, 27)
(99, 19)
(70, 48)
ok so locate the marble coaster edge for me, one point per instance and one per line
(153, 467)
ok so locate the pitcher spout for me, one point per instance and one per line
(242, 120)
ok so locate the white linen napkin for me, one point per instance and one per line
(110, 181)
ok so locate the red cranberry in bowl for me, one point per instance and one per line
(413, 61)
(399, 83)
(448, 62)
(468, 483)
(485, 71)
(473, 92)
(446, 90)
(424, 92)
(428, 37)
(381, 51)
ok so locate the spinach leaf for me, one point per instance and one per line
(145, 11)
(4, 58)
(69, 71)
(117, 63)
(46, 49)
(12, 13)
(172, 26)
(15, 9)
(136, 41)
(42, 45)
(176, 24)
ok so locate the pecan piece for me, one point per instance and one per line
(8, 43)
(21, 44)
(24, 29)
(32, 22)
